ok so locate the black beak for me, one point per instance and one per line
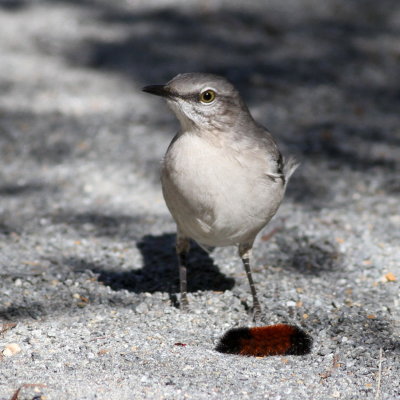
(158, 90)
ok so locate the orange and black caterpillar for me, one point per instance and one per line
(264, 341)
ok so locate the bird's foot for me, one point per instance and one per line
(257, 314)
(184, 304)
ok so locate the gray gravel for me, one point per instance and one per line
(87, 266)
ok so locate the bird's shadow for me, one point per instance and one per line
(160, 270)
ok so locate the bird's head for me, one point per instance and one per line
(202, 101)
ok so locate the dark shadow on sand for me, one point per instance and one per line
(160, 271)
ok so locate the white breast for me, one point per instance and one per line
(218, 196)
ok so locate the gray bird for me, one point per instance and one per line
(223, 176)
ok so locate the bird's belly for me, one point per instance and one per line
(216, 199)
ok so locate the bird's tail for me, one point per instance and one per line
(290, 165)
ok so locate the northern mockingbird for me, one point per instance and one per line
(223, 176)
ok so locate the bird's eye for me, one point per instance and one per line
(207, 96)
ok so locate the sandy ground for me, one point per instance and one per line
(87, 265)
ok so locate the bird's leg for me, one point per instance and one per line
(244, 253)
(182, 250)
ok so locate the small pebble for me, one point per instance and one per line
(11, 349)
